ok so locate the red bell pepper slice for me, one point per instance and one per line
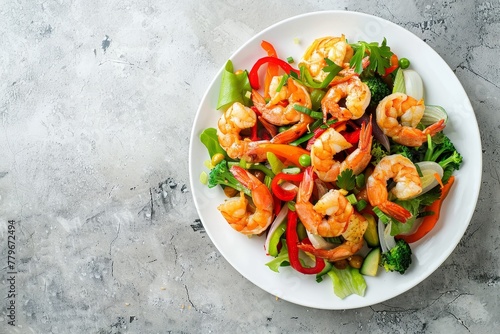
(279, 192)
(253, 76)
(352, 137)
(292, 240)
(393, 67)
(429, 222)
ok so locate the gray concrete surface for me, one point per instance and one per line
(96, 104)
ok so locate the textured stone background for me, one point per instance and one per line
(96, 104)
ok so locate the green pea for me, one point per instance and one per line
(404, 63)
(305, 160)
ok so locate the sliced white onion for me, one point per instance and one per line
(413, 84)
(289, 186)
(275, 224)
(319, 242)
(428, 169)
(387, 241)
(432, 114)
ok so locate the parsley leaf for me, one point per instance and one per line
(346, 180)
(379, 56)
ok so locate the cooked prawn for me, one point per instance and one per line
(398, 115)
(334, 48)
(235, 210)
(330, 143)
(235, 119)
(353, 243)
(329, 216)
(357, 98)
(402, 171)
(280, 108)
(293, 132)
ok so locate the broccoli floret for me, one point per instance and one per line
(444, 153)
(403, 150)
(378, 89)
(221, 175)
(378, 152)
(397, 258)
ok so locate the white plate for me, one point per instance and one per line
(442, 87)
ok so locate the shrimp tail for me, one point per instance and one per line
(435, 128)
(258, 100)
(396, 211)
(365, 138)
(292, 133)
(338, 253)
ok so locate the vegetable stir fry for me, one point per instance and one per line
(336, 159)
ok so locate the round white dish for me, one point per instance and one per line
(442, 88)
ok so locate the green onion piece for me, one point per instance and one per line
(360, 181)
(243, 163)
(289, 60)
(204, 178)
(284, 78)
(274, 162)
(267, 181)
(302, 139)
(262, 168)
(316, 124)
(316, 97)
(328, 123)
(361, 204)
(352, 199)
(291, 170)
(291, 205)
(308, 80)
(419, 171)
(382, 216)
(307, 111)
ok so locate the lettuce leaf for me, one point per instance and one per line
(347, 282)
(233, 87)
(209, 138)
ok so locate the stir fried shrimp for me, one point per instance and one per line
(280, 109)
(293, 132)
(329, 216)
(330, 143)
(353, 243)
(402, 171)
(235, 210)
(334, 48)
(398, 115)
(235, 119)
(357, 98)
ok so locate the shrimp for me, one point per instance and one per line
(235, 209)
(329, 216)
(334, 48)
(398, 115)
(402, 171)
(357, 98)
(293, 132)
(353, 243)
(236, 118)
(330, 143)
(280, 109)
